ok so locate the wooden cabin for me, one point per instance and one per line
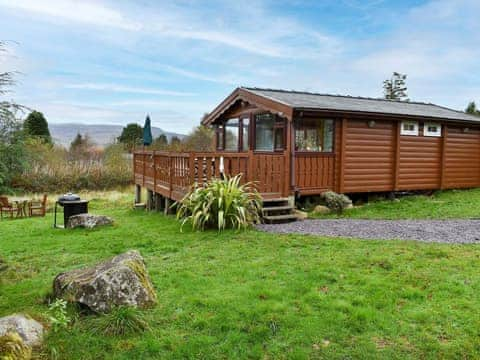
(298, 143)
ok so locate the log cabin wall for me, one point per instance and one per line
(462, 157)
(420, 162)
(368, 156)
(378, 158)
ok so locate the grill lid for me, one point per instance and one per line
(69, 197)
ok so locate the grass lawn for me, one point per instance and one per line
(256, 295)
(451, 204)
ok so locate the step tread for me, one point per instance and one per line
(280, 217)
(275, 200)
(277, 208)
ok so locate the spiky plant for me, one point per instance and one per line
(221, 204)
(124, 320)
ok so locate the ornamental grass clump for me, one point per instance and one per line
(221, 204)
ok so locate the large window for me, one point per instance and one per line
(232, 134)
(269, 133)
(314, 135)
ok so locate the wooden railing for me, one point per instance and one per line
(172, 174)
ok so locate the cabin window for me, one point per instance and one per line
(269, 133)
(245, 133)
(432, 129)
(409, 128)
(232, 134)
(314, 135)
(219, 134)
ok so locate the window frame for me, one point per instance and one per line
(278, 123)
(312, 151)
(221, 128)
(429, 133)
(413, 132)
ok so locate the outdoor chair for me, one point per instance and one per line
(6, 207)
(38, 207)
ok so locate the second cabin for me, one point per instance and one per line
(298, 143)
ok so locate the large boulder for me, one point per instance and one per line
(88, 221)
(30, 331)
(120, 281)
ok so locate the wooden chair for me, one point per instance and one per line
(6, 207)
(38, 207)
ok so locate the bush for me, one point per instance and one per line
(336, 202)
(221, 204)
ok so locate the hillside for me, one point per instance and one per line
(101, 134)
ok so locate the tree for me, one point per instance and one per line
(161, 142)
(395, 88)
(35, 125)
(132, 135)
(472, 109)
(81, 147)
(175, 144)
(13, 157)
(200, 139)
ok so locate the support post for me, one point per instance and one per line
(167, 206)
(157, 201)
(138, 194)
(149, 199)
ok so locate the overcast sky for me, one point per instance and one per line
(114, 61)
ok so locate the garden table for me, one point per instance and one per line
(21, 205)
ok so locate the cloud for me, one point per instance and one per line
(126, 89)
(93, 13)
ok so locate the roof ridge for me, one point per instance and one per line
(345, 96)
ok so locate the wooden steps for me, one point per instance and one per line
(277, 211)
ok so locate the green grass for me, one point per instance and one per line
(452, 204)
(252, 295)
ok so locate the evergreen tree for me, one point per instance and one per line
(472, 109)
(35, 125)
(395, 88)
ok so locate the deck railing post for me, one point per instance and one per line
(191, 168)
(170, 175)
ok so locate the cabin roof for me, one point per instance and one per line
(313, 101)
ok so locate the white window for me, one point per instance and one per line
(409, 128)
(432, 129)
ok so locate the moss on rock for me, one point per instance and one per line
(12, 347)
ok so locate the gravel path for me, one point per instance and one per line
(444, 231)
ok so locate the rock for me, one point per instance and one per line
(321, 209)
(29, 330)
(301, 215)
(88, 221)
(120, 281)
(349, 206)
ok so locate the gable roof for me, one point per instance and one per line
(313, 101)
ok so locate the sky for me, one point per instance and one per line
(112, 62)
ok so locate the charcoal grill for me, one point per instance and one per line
(72, 205)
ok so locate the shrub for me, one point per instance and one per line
(336, 202)
(221, 204)
(121, 321)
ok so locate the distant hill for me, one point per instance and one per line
(101, 135)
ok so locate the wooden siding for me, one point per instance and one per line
(369, 154)
(462, 158)
(314, 172)
(420, 160)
